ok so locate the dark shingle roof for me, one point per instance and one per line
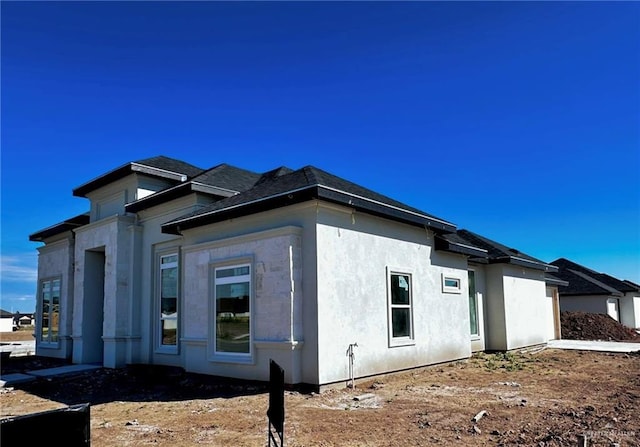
(584, 281)
(228, 177)
(499, 253)
(171, 164)
(163, 167)
(66, 225)
(221, 181)
(282, 187)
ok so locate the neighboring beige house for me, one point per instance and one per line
(220, 270)
(591, 291)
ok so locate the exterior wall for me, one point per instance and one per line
(6, 324)
(151, 242)
(276, 306)
(111, 238)
(553, 313)
(630, 310)
(478, 342)
(281, 246)
(494, 309)
(55, 259)
(354, 253)
(525, 307)
(589, 303)
(516, 307)
(111, 199)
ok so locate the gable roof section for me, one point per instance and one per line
(66, 225)
(501, 254)
(584, 281)
(222, 181)
(160, 166)
(283, 187)
(5, 314)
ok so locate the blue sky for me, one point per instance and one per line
(517, 120)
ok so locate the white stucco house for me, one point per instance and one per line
(594, 292)
(6, 321)
(220, 270)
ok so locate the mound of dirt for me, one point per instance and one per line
(592, 326)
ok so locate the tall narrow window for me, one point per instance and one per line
(400, 308)
(169, 300)
(473, 304)
(50, 315)
(232, 309)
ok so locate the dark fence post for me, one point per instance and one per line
(275, 412)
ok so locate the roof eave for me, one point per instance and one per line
(53, 230)
(442, 244)
(310, 192)
(123, 171)
(524, 263)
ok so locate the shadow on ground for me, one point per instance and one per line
(137, 383)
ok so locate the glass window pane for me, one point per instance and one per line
(401, 321)
(169, 307)
(170, 283)
(452, 282)
(169, 259)
(233, 271)
(473, 304)
(400, 289)
(169, 331)
(44, 319)
(233, 317)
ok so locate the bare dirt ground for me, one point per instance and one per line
(537, 398)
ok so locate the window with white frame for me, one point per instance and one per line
(232, 298)
(169, 300)
(451, 284)
(50, 310)
(400, 298)
(473, 305)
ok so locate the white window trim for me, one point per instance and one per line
(399, 341)
(160, 348)
(451, 289)
(231, 357)
(40, 341)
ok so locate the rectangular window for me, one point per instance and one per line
(50, 316)
(400, 308)
(233, 309)
(169, 300)
(473, 304)
(450, 284)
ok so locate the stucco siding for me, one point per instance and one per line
(494, 309)
(355, 252)
(109, 239)
(281, 247)
(592, 304)
(526, 309)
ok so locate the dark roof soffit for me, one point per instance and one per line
(305, 193)
(61, 227)
(552, 280)
(456, 247)
(123, 171)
